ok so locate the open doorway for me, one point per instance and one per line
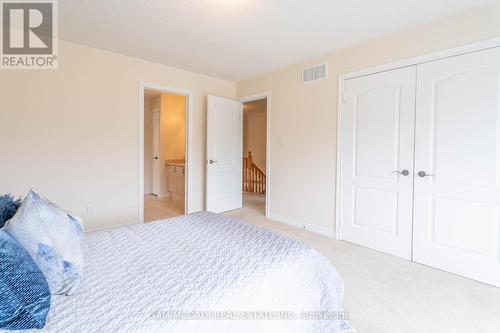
(165, 151)
(255, 161)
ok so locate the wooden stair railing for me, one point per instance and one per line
(254, 180)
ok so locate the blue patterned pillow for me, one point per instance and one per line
(53, 238)
(8, 207)
(25, 294)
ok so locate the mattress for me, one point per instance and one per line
(200, 273)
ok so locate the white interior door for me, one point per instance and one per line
(377, 161)
(457, 202)
(224, 154)
(156, 163)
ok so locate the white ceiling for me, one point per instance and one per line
(235, 39)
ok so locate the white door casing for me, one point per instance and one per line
(457, 209)
(377, 142)
(190, 204)
(224, 154)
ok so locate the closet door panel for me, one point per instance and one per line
(457, 202)
(378, 139)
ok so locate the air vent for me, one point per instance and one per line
(315, 73)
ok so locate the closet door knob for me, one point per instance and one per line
(423, 174)
(403, 172)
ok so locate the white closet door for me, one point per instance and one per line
(457, 204)
(378, 141)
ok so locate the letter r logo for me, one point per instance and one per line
(27, 27)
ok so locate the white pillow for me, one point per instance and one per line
(53, 238)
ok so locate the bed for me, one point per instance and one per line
(200, 273)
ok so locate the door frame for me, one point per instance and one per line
(256, 97)
(188, 198)
(452, 52)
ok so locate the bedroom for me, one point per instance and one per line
(72, 134)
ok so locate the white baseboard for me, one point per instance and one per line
(302, 225)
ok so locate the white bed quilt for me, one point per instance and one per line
(159, 276)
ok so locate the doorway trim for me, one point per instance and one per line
(188, 199)
(432, 56)
(256, 97)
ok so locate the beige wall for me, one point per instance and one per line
(72, 133)
(254, 136)
(304, 117)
